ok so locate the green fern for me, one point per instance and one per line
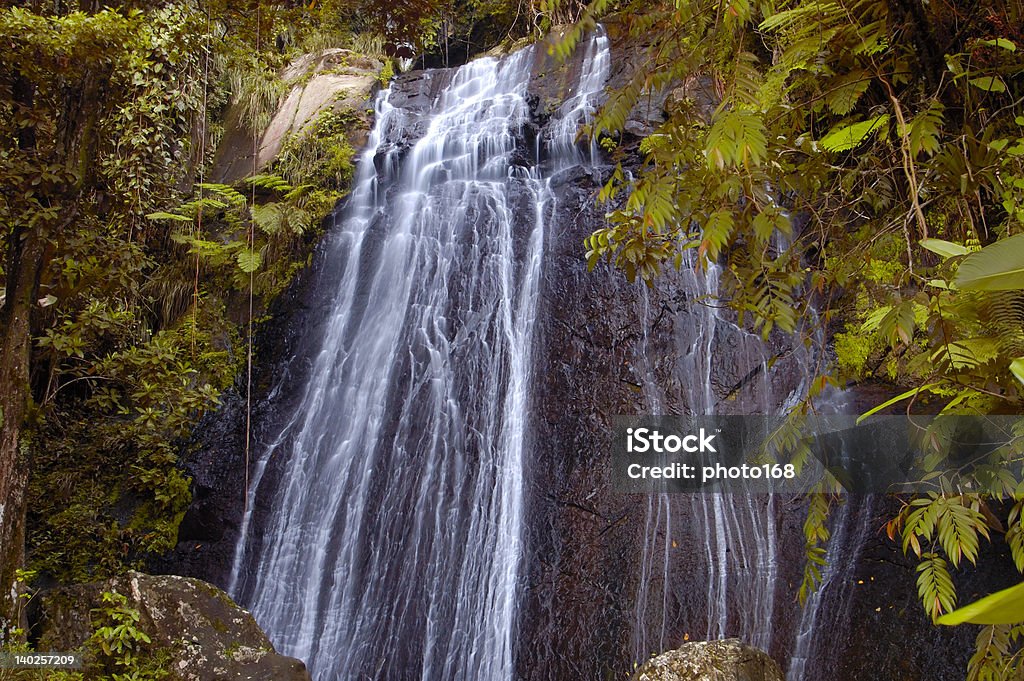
(935, 585)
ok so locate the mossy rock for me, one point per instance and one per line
(197, 631)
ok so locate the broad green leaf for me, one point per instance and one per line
(736, 138)
(268, 217)
(925, 130)
(997, 267)
(958, 528)
(1017, 368)
(846, 137)
(1002, 607)
(798, 15)
(874, 319)
(947, 249)
(228, 192)
(969, 353)
(934, 585)
(1000, 42)
(988, 84)
(846, 90)
(717, 231)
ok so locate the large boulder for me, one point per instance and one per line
(333, 79)
(726, 660)
(196, 630)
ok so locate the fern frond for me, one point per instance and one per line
(935, 585)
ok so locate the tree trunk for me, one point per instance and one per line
(25, 247)
(25, 251)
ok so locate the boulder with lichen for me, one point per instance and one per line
(195, 631)
(725, 660)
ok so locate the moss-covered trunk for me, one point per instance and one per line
(24, 256)
(23, 265)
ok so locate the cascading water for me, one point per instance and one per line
(389, 546)
(831, 599)
(734, 583)
(827, 608)
(735, 533)
(385, 528)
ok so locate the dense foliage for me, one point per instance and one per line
(103, 108)
(861, 167)
(121, 327)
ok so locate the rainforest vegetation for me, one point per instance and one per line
(864, 170)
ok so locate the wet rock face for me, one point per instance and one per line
(601, 341)
(728, 660)
(887, 634)
(198, 632)
(584, 541)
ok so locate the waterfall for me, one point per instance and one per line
(831, 600)
(732, 586)
(382, 536)
(827, 609)
(735, 534)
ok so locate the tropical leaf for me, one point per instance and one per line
(1000, 42)
(997, 267)
(804, 14)
(770, 219)
(1015, 535)
(989, 83)
(716, 234)
(899, 398)
(846, 90)
(229, 193)
(958, 530)
(249, 260)
(161, 215)
(269, 217)
(925, 129)
(1017, 368)
(1002, 607)
(270, 182)
(947, 249)
(935, 585)
(968, 353)
(874, 320)
(736, 138)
